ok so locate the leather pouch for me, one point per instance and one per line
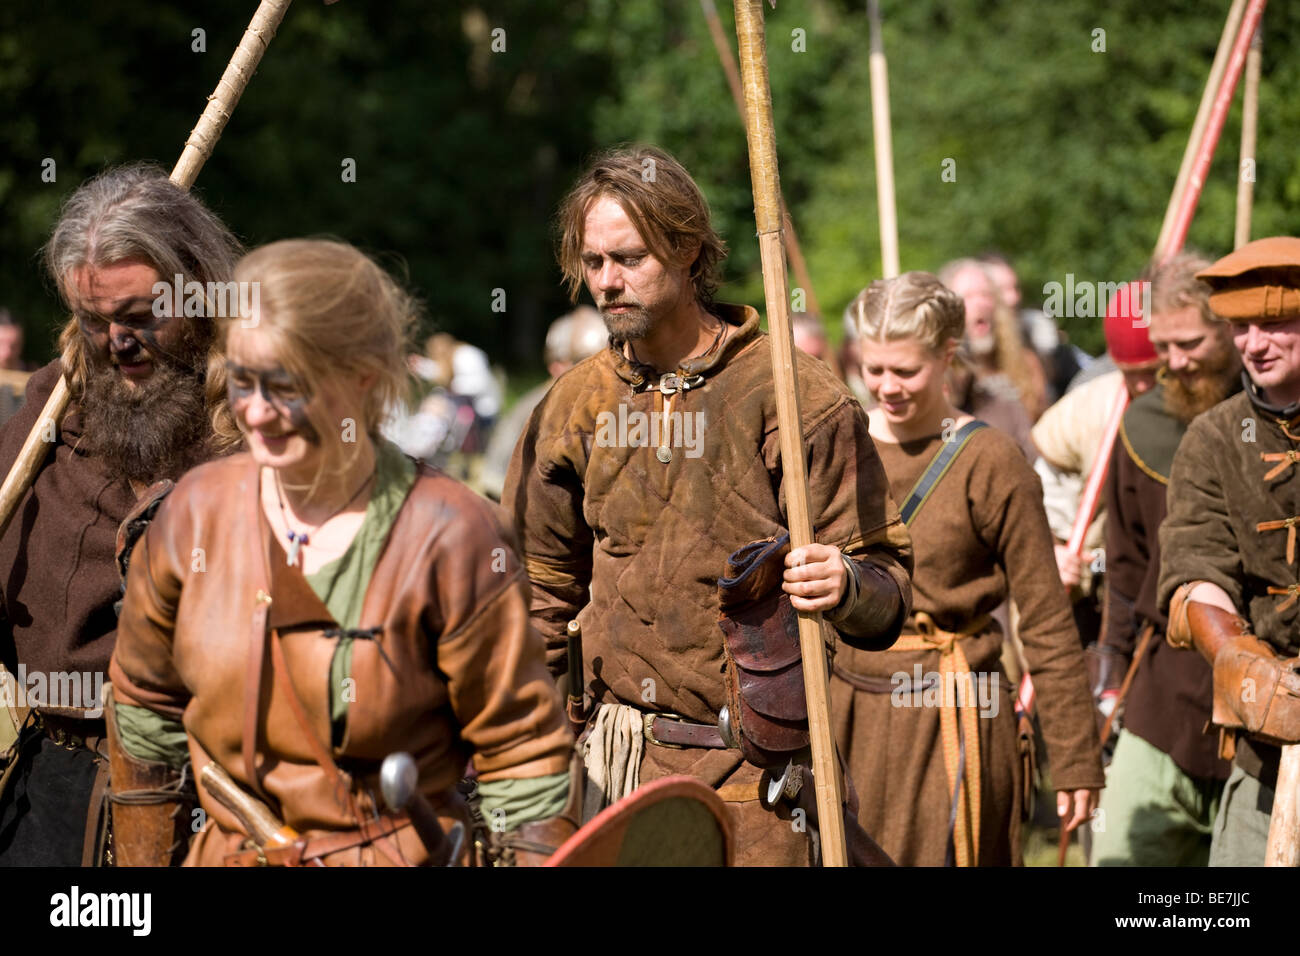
(767, 711)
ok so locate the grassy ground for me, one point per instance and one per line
(1040, 847)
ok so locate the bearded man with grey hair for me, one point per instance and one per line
(147, 403)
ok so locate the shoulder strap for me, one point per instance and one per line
(937, 468)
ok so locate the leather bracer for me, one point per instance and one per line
(1254, 689)
(151, 804)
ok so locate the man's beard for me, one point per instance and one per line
(1185, 398)
(154, 429)
(636, 323)
(982, 346)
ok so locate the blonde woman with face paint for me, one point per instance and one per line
(297, 612)
(928, 727)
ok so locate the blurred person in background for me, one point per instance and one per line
(810, 338)
(571, 338)
(14, 372)
(994, 343)
(1068, 437)
(1061, 360)
(451, 423)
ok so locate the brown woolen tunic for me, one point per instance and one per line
(57, 556)
(982, 532)
(1168, 704)
(1217, 497)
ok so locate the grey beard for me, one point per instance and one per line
(156, 430)
(982, 347)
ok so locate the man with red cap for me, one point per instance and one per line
(1228, 573)
(1162, 789)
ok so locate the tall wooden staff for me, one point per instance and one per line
(197, 150)
(1231, 27)
(791, 238)
(1249, 121)
(883, 136)
(767, 213)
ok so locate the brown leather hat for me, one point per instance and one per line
(1260, 281)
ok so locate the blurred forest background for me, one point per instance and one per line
(1064, 157)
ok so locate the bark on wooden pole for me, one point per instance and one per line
(197, 150)
(767, 213)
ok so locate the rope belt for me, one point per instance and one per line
(958, 719)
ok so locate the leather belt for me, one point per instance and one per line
(675, 732)
(881, 685)
(308, 849)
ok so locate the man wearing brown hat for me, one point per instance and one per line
(1229, 578)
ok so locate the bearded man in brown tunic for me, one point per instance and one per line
(1228, 573)
(929, 728)
(1163, 785)
(648, 464)
(143, 404)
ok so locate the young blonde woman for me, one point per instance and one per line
(297, 612)
(928, 727)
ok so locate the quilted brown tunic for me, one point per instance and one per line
(650, 539)
(981, 533)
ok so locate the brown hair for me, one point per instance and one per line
(914, 305)
(1174, 286)
(664, 204)
(136, 212)
(328, 308)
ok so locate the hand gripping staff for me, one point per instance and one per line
(767, 213)
(197, 150)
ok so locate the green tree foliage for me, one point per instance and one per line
(1064, 157)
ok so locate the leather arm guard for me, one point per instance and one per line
(150, 802)
(1254, 689)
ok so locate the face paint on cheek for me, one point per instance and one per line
(296, 411)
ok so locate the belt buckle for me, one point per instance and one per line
(647, 724)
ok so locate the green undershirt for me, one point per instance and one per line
(341, 585)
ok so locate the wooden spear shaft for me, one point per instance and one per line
(792, 247)
(882, 134)
(197, 150)
(1214, 126)
(1249, 121)
(767, 213)
(1212, 83)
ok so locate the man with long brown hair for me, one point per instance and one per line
(144, 407)
(650, 463)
